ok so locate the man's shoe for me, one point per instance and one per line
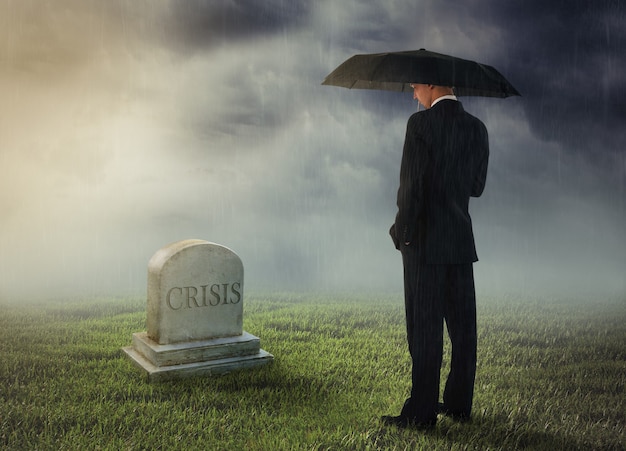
(404, 422)
(461, 417)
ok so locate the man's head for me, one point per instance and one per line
(427, 94)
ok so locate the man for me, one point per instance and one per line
(444, 162)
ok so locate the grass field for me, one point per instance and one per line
(551, 376)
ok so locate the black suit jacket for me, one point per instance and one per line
(444, 162)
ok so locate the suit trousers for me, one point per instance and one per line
(434, 294)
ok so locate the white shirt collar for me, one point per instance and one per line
(446, 97)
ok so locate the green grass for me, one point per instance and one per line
(551, 376)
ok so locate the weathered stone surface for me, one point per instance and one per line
(195, 315)
(195, 351)
(154, 373)
(195, 292)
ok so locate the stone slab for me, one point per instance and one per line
(212, 367)
(195, 292)
(196, 351)
(194, 315)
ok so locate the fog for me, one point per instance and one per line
(128, 125)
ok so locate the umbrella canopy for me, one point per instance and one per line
(394, 71)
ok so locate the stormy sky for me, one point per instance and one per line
(127, 125)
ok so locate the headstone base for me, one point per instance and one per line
(196, 358)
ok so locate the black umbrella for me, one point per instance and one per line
(394, 71)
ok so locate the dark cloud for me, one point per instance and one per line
(567, 58)
(202, 24)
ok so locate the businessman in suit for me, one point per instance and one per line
(444, 162)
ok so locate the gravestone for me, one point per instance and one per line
(195, 314)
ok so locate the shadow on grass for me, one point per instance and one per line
(483, 432)
(282, 392)
(271, 387)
